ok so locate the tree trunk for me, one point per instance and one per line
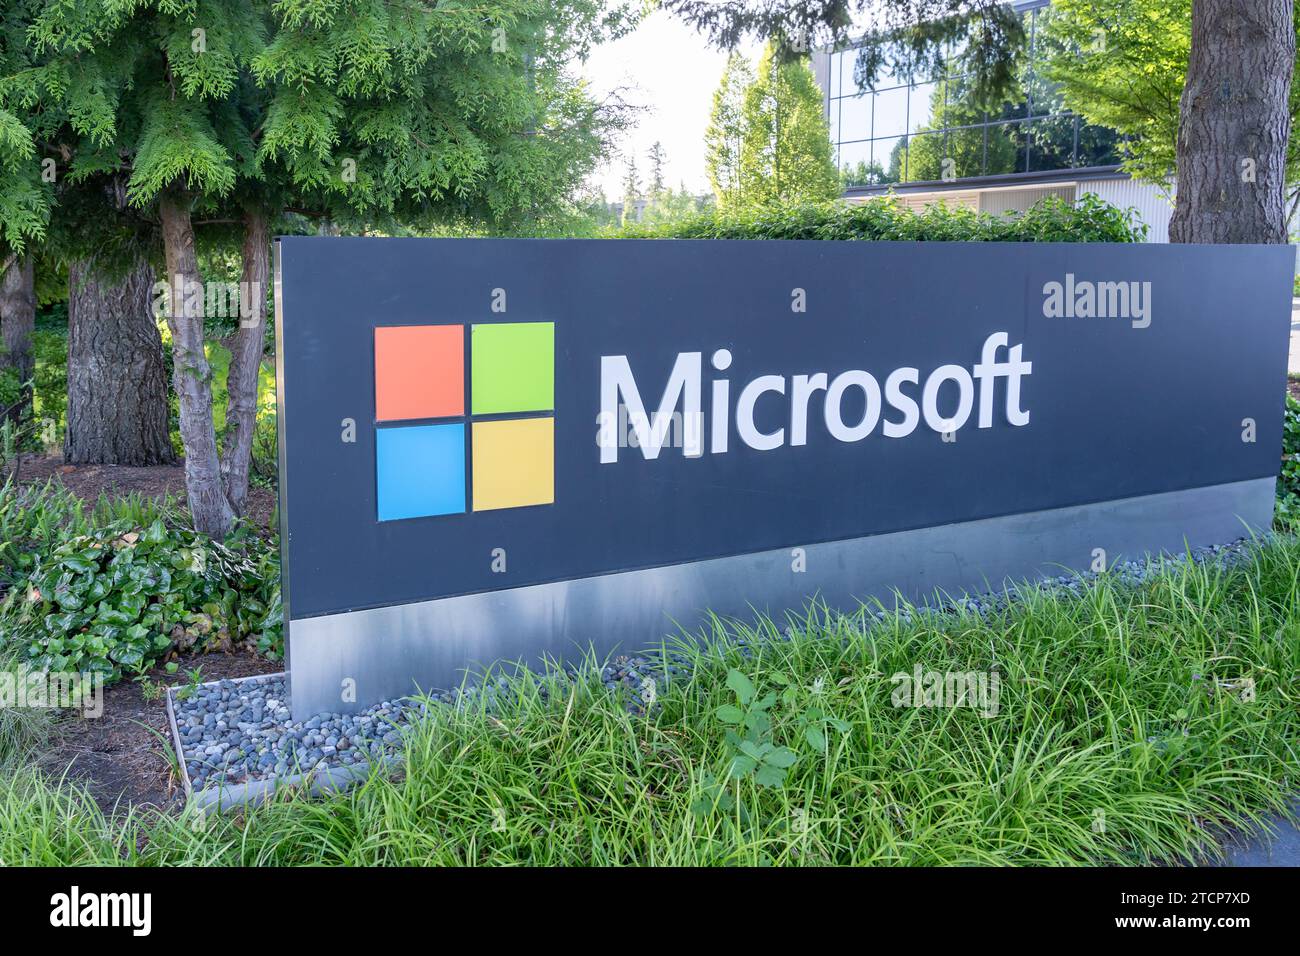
(17, 320)
(117, 379)
(1234, 123)
(246, 360)
(190, 371)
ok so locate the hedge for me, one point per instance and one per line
(884, 219)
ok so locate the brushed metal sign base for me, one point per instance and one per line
(388, 652)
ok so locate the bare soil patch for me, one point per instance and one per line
(88, 482)
(121, 757)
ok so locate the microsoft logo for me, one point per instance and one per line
(507, 441)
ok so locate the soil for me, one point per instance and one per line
(120, 756)
(158, 482)
(1293, 386)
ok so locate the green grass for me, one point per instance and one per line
(1123, 705)
(23, 730)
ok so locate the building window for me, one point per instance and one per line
(929, 128)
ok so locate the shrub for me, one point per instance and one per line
(884, 219)
(11, 389)
(265, 463)
(1288, 481)
(120, 598)
(112, 589)
(33, 518)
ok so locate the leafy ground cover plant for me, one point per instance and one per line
(118, 599)
(112, 589)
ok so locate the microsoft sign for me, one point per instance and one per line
(509, 449)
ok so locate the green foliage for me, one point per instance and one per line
(11, 388)
(726, 131)
(63, 823)
(32, 519)
(983, 38)
(785, 153)
(50, 381)
(264, 465)
(1049, 220)
(119, 599)
(755, 756)
(749, 735)
(673, 205)
(114, 588)
(24, 194)
(1288, 482)
(23, 730)
(219, 361)
(767, 143)
(449, 113)
(355, 110)
(1121, 64)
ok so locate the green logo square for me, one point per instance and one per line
(512, 367)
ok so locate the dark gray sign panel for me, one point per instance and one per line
(505, 448)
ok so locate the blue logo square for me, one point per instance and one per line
(420, 471)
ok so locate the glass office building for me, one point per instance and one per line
(924, 138)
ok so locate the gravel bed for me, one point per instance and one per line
(236, 732)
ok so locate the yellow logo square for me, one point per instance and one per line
(514, 463)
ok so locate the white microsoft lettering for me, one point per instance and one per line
(935, 405)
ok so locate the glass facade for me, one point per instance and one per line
(929, 129)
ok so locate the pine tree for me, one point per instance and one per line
(631, 189)
(657, 160)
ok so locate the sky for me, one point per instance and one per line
(671, 70)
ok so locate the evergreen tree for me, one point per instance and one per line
(631, 189)
(657, 160)
(358, 111)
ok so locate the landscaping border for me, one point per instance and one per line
(229, 796)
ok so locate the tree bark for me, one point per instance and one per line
(190, 371)
(1234, 123)
(246, 360)
(17, 321)
(117, 379)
